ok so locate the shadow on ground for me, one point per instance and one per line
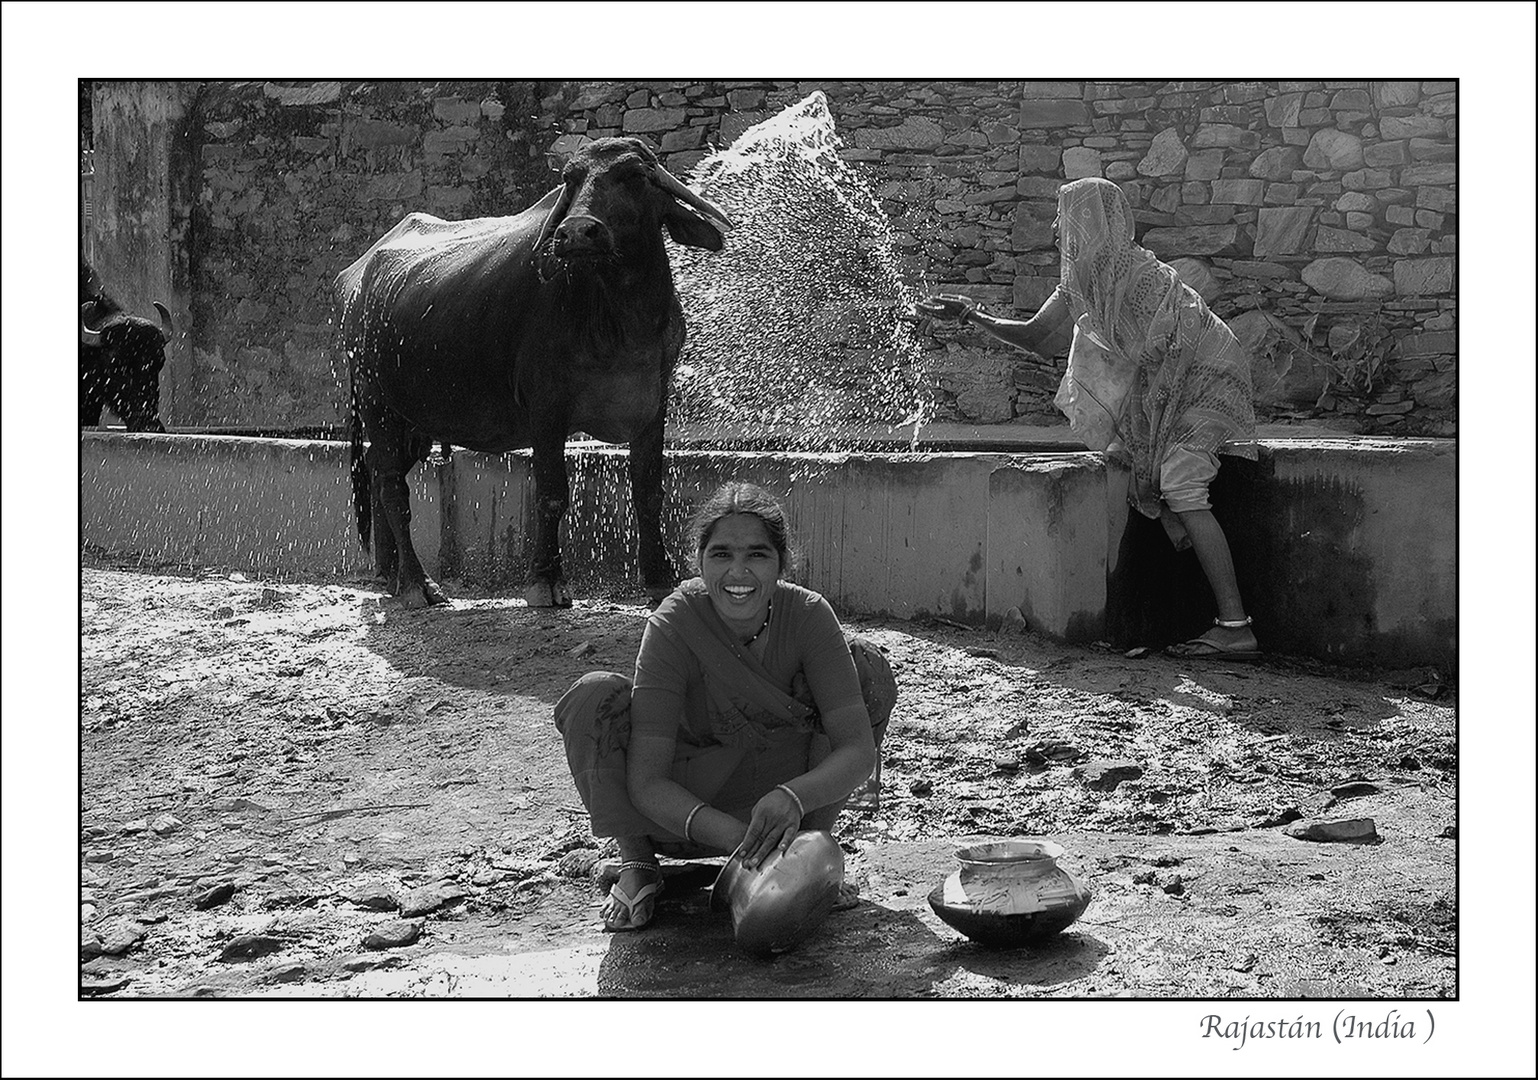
(868, 951)
(541, 650)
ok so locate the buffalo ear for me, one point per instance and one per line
(687, 227)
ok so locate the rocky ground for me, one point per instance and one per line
(296, 788)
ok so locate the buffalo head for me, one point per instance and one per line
(120, 361)
(615, 196)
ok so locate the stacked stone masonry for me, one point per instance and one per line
(1318, 217)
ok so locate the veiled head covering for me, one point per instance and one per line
(1194, 386)
(1105, 270)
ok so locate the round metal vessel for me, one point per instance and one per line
(1010, 893)
(786, 897)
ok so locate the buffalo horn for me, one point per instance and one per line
(552, 219)
(165, 320)
(673, 186)
(87, 335)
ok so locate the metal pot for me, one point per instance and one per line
(1010, 893)
(786, 897)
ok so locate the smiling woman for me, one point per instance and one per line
(751, 716)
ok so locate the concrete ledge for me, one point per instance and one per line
(267, 505)
(881, 534)
(1359, 539)
(1346, 548)
(1047, 543)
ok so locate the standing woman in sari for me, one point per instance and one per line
(1154, 379)
(750, 717)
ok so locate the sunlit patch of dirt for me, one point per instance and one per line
(306, 742)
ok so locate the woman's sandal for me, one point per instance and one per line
(626, 912)
(1200, 648)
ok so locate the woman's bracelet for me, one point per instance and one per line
(801, 810)
(690, 821)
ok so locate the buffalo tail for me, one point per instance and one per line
(362, 501)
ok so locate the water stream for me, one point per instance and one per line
(795, 335)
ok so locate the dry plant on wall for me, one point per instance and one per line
(1350, 352)
(1354, 352)
(1272, 345)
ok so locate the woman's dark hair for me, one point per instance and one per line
(741, 497)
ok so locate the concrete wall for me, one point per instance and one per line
(1319, 217)
(272, 506)
(1048, 531)
(881, 534)
(1346, 548)
(1358, 540)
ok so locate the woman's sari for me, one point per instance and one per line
(741, 732)
(1166, 371)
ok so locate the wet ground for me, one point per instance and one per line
(300, 789)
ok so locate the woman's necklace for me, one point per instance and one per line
(759, 632)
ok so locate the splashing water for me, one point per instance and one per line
(795, 333)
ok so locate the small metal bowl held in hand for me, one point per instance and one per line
(786, 897)
(944, 306)
(1010, 893)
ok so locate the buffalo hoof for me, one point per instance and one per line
(424, 595)
(547, 594)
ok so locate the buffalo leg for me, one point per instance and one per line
(91, 397)
(389, 466)
(386, 552)
(648, 467)
(552, 495)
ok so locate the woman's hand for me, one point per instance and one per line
(775, 822)
(947, 307)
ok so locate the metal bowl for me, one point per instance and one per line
(1010, 893)
(998, 931)
(786, 897)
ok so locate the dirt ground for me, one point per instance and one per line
(297, 788)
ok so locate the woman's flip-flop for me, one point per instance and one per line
(1202, 649)
(626, 912)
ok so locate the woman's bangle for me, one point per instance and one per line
(690, 821)
(801, 810)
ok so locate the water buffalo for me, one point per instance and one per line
(497, 334)
(120, 358)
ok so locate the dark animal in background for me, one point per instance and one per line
(120, 358)
(497, 334)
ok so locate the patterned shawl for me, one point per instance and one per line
(1193, 386)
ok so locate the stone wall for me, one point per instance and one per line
(1318, 217)
(295, 182)
(140, 208)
